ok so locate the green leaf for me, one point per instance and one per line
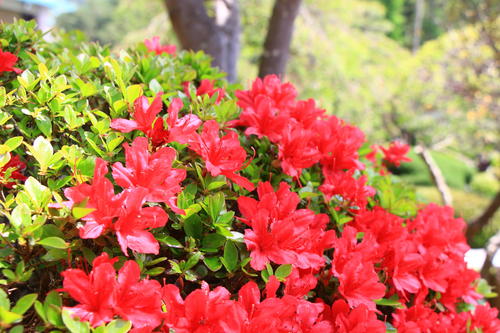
(193, 260)
(53, 298)
(9, 274)
(14, 142)
(73, 119)
(132, 93)
(118, 326)
(17, 329)
(214, 205)
(7, 317)
(4, 300)
(283, 271)
(226, 218)
(21, 216)
(155, 261)
(42, 151)
(79, 212)
(53, 314)
(86, 88)
(44, 125)
(155, 271)
(485, 289)
(393, 301)
(38, 193)
(54, 242)
(193, 227)
(3, 96)
(40, 310)
(24, 303)
(171, 242)
(213, 241)
(52, 308)
(74, 325)
(230, 259)
(213, 263)
(216, 184)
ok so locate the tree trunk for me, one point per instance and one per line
(482, 221)
(279, 37)
(417, 24)
(217, 36)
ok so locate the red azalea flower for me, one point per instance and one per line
(358, 320)
(154, 45)
(279, 204)
(103, 295)
(306, 113)
(133, 223)
(11, 172)
(485, 319)
(354, 192)
(396, 153)
(282, 94)
(7, 62)
(153, 172)
(263, 118)
(359, 283)
(94, 291)
(280, 315)
(123, 213)
(300, 282)
(145, 120)
(207, 88)
(353, 264)
(136, 300)
(282, 234)
(297, 150)
(203, 311)
(144, 116)
(222, 156)
(387, 229)
(339, 144)
(101, 197)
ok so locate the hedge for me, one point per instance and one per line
(142, 192)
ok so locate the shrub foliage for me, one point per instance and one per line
(141, 192)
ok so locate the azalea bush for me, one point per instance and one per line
(140, 192)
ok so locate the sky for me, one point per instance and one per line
(57, 6)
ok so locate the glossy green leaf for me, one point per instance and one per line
(24, 303)
(54, 242)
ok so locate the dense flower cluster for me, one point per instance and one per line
(281, 233)
(340, 274)
(145, 178)
(102, 294)
(305, 135)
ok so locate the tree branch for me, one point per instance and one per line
(279, 36)
(482, 221)
(436, 175)
(489, 272)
